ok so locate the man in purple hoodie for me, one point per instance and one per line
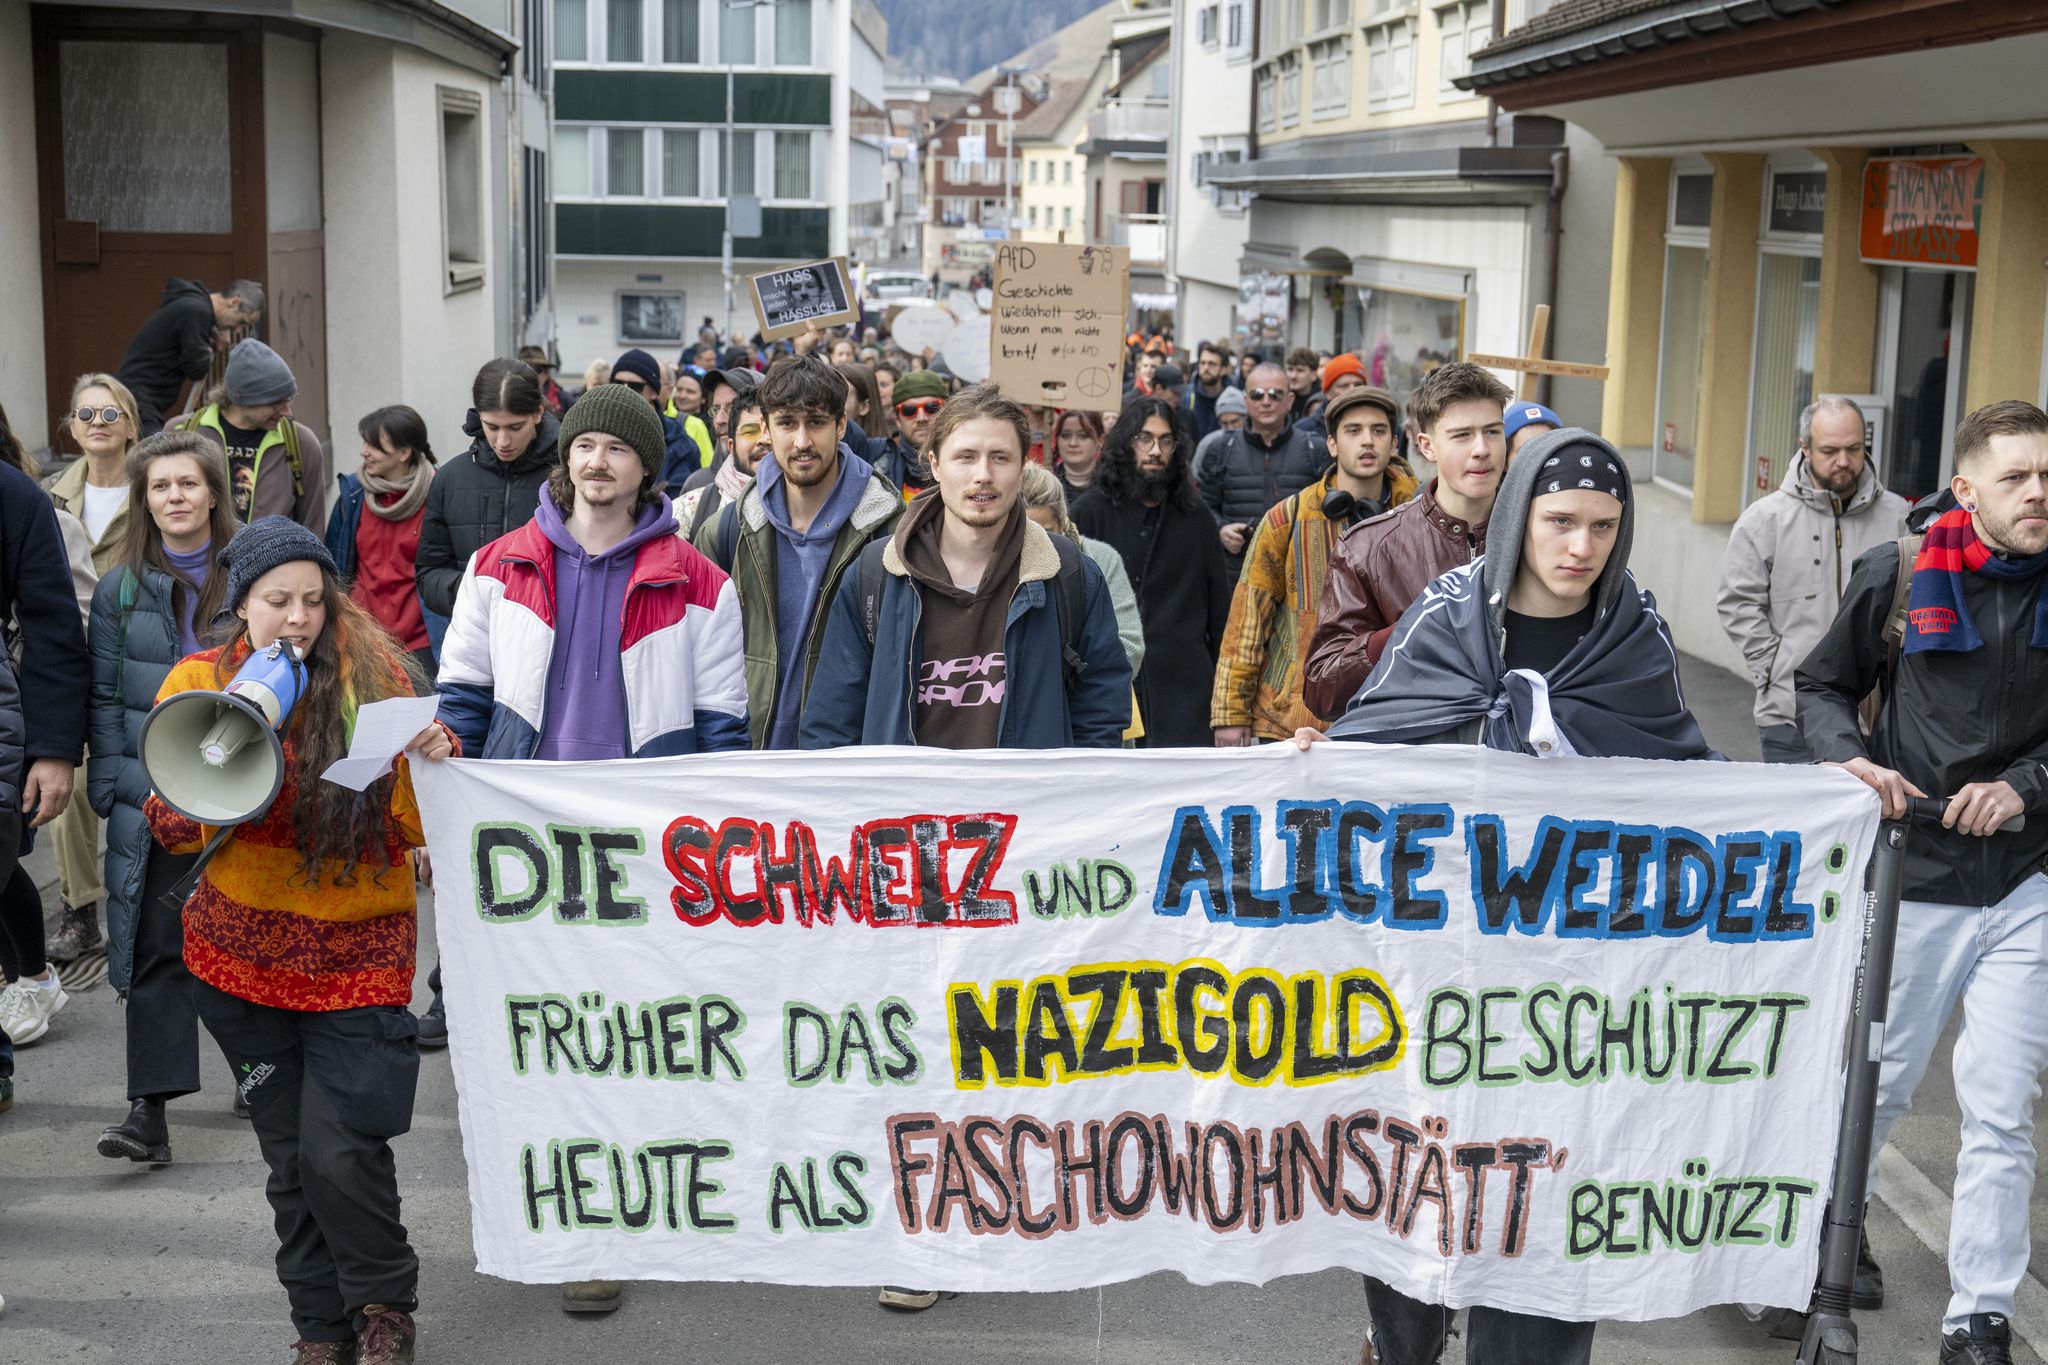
(595, 631)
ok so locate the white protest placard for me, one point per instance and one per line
(1561, 1037)
(1057, 324)
(966, 349)
(921, 327)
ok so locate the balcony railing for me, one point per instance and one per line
(1143, 233)
(1131, 120)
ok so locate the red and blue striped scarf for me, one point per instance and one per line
(1937, 617)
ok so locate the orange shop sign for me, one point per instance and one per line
(1923, 211)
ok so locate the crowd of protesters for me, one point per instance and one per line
(830, 543)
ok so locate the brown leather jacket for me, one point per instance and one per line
(1379, 567)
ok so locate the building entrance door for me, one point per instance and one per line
(128, 194)
(1927, 319)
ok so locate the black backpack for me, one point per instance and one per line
(1069, 599)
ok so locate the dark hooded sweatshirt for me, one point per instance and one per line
(961, 672)
(173, 345)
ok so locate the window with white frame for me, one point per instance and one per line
(792, 165)
(792, 32)
(1266, 99)
(679, 31)
(625, 163)
(1067, 173)
(572, 162)
(1031, 172)
(682, 154)
(1521, 12)
(462, 165)
(1462, 29)
(1033, 212)
(1066, 215)
(1390, 65)
(1237, 29)
(736, 36)
(624, 31)
(1205, 26)
(1330, 78)
(1290, 90)
(736, 165)
(572, 30)
(1227, 150)
(1325, 15)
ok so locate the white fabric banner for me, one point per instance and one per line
(1560, 1037)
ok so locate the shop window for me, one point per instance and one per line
(1781, 385)
(1680, 349)
(1404, 335)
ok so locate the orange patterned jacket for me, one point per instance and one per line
(254, 929)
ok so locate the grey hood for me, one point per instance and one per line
(1510, 518)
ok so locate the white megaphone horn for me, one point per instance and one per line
(215, 756)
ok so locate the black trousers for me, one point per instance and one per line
(163, 1011)
(1407, 1331)
(327, 1092)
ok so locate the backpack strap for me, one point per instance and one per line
(1071, 602)
(125, 599)
(290, 432)
(869, 568)
(728, 545)
(1895, 620)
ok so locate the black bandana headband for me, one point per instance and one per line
(1582, 467)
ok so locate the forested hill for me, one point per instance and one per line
(958, 38)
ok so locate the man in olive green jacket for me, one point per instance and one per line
(790, 537)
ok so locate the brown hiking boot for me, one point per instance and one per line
(323, 1353)
(77, 933)
(386, 1338)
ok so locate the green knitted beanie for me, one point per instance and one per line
(918, 384)
(617, 411)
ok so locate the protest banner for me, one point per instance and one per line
(1056, 332)
(1560, 1037)
(790, 298)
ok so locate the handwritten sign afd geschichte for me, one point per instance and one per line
(1056, 331)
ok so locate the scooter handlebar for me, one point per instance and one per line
(1927, 810)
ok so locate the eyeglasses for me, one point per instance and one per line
(1146, 440)
(1266, 395)
(750, 430)
(108, 416)
(919, 407)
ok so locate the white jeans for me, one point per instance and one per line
(1995, 960)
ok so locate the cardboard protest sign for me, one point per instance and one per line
(789, 298)
(1057, 332)
(1561, 1037)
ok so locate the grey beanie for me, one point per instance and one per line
(261, 546)
(1230, 400)
(257, 376)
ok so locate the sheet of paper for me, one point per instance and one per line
(383, 729)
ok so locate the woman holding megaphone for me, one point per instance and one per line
(150, 610)
(301, 939)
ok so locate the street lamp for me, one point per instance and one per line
(1007, 102)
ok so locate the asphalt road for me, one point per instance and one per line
(102, 1262)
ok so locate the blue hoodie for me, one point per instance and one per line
(800, 565)
(585, 713)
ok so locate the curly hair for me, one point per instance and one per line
(1117, 476)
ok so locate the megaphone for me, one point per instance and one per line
(215, 757)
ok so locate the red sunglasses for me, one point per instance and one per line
(920, 407)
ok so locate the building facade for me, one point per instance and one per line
(1393, 213)
(1212, 118)
(646, 173)
(1126, 149)
(1055, 198)
(1810, 202)
(355, 158)
(973, 175)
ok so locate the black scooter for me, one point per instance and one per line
(1830, 1337)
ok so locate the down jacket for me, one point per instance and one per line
(1787, 568)
(477, 497)
(129, 664)
(42, 708)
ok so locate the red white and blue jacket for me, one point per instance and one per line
(680, 642)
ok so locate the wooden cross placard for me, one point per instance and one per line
(1534, 363)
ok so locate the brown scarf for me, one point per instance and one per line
(410, 492)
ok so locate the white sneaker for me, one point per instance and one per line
(26, 1009)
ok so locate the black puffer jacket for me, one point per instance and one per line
(42, 707)
(1244, 477)
(1949, 719)
(476, 498)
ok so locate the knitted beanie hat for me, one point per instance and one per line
(918, 384)
(257, 376)
(1229, 401)
(261, 546)
(617, 411)
(640, 365)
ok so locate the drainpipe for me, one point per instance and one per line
(1553, 233)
